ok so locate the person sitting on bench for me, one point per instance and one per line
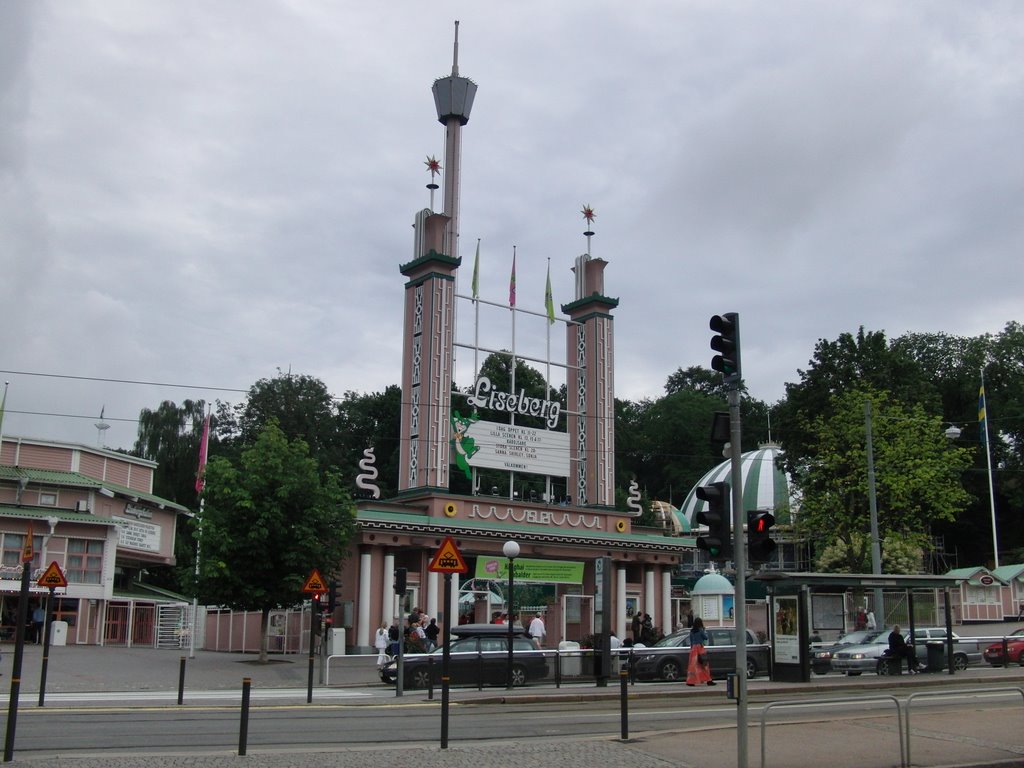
(899, 650)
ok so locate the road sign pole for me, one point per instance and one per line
(446, 634)
(46, 647)
(19, 655)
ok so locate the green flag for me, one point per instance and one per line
(549, 302)
(476, 271)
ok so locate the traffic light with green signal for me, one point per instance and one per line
(727, 343)
(718, 540)
(760, 546)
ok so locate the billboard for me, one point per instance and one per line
(518, 449)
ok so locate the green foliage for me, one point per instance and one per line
(267, 523)
(917, 473)
(853, 555)
(371, 421)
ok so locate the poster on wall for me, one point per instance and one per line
(787, 630)
(709, 608)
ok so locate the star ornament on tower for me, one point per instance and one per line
(433, 165)
(588, 214)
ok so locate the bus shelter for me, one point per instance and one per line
(803, 605)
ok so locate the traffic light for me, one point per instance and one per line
(760, 546)
(727, 343)
(718, 541)
(400, 576)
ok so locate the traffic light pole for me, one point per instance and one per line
(739, 554)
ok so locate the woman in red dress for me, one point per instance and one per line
(698, 670)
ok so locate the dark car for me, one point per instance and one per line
(821, 657)
(667, 658)
(479, 656)
(1014, 650)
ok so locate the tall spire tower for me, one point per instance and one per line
(453, 98)
(429, 337)
(590, 345)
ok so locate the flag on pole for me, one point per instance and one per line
(982, 420)
(512, 281)
(203, 447)
(549, 301)
(476, 271)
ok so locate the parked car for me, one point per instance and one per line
(667, 658)
(479, 656)
(821, 657)
(1014, 650)
(868, 657)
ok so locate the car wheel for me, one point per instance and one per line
(959, 662)
(882, 668)
(1020, 658)
(751, 669)
(420, 678)
(518, 675)
(670, 670)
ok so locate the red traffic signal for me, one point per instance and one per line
(760, 546)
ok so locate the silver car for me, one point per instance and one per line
(868, 657)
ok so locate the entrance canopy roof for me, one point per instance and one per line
(839, 581)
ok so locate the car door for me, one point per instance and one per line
(495, 659)
(463, 661)
(722, 651)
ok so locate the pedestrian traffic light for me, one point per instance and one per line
(760, 546)
(727, 343)
(718, 541)
(400, 576)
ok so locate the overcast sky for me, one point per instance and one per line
(203, 192)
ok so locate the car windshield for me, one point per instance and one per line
(675, 640)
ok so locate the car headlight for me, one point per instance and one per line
(856, 655)
(823, 655)
(648, 658)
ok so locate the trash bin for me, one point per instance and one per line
(336, 641)
(936, 650)
(58, 633)
(572, 663)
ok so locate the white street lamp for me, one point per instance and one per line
(511, 550)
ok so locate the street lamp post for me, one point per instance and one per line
(511, 551)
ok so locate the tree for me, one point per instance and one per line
(853, 555)
(170, 436)
(371, 421)
(267, 523)
(917, 471)
(302, 407)
(861, 360)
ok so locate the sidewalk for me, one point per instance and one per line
(956, 739)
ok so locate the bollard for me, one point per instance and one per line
(181, 681)
(624, 703)
(1006, 652)
(243, 728)
(558, 669)
(430, 682)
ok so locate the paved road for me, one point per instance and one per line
(992, 737)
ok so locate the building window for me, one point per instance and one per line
(84, 564)
(47, 499)
(13, 546)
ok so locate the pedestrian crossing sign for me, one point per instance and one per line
(448, 559)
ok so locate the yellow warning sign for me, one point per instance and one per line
(53, 577)
(315, 583)
(27, 552)
(448, 559)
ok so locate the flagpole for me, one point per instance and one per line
(988, 462)
(200, 485)
(3, 405)
(512, 372)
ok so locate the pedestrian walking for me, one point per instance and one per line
(698, 670)
(537, 630)
(380, 642)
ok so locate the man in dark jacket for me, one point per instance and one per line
(899, 650)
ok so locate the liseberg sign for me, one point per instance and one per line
(493, 445)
